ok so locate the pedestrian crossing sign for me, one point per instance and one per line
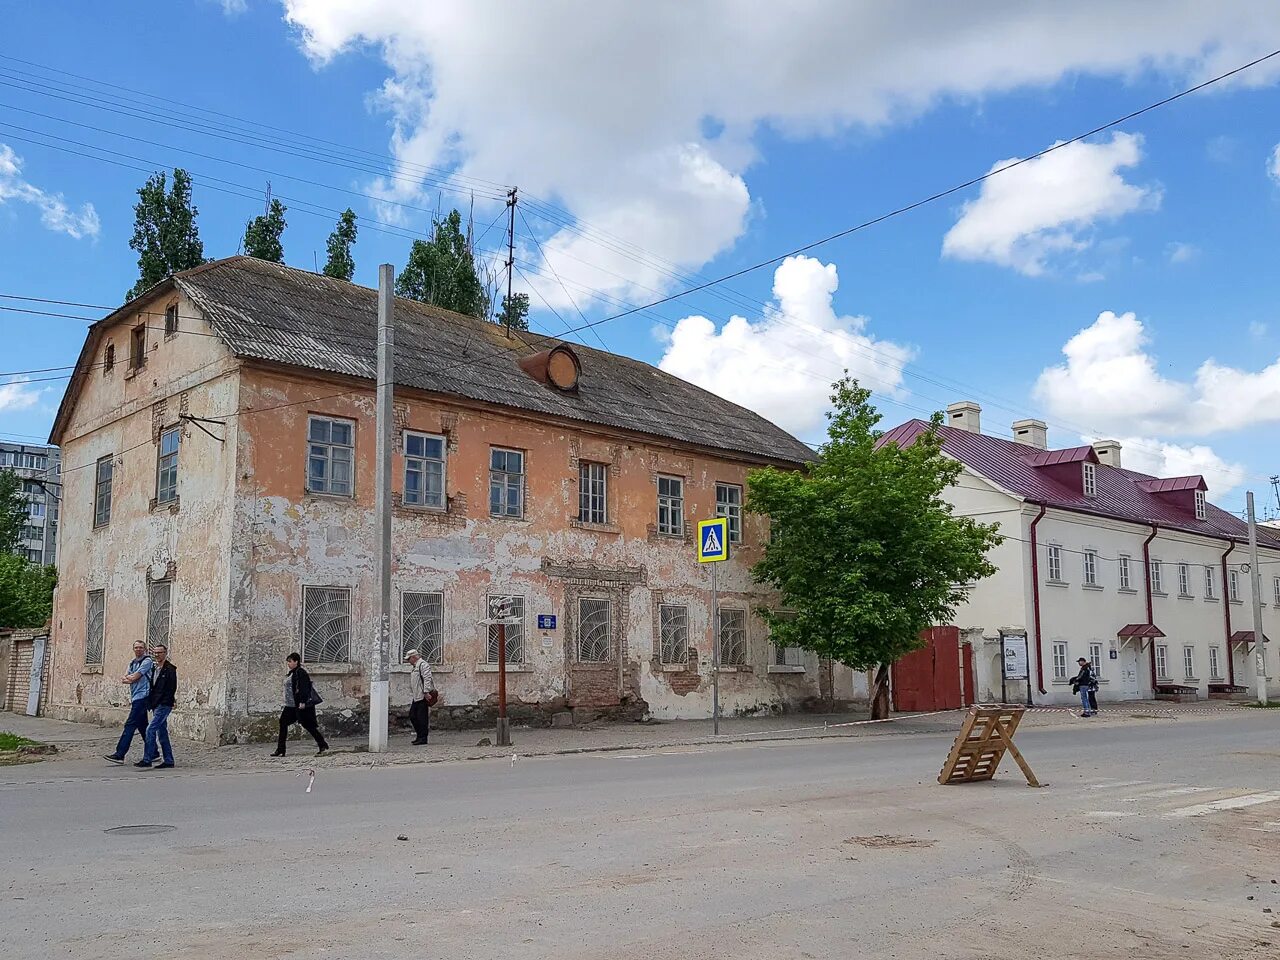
(713, 540)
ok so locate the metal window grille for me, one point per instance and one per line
(506, 483)
(1059, 661)
(733, 637)
(1184, 580)
(422, 625)
(102, 493)
(326, 624)
(1090, 480)
(1055, 562)
(1215, 665)
(1162, 661)
(788, 656)
(593, 481)
(159, 612)
(671, 506)
(1156, 584)
(423, 471)
(1210, 581)
(330, 455)
(729, 504)
(167, 467)
(515, 631)
(1090, 568)
(171, 320)
(1189, 662)
(674, 633)
(1124, 573)
(595, 631)
(1235, 586)
(1200, 504)
(1095, 659)
(95, 622)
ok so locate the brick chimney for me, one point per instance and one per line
(1034, 433)
(965, 415)
(1108, 452)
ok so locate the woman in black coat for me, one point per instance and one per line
(300, 699)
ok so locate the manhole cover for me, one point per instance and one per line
(136, 829)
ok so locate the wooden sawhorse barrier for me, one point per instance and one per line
(984, 738)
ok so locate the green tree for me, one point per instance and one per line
(26, 592)
(864, 551)
(442, 271)
(341, 264)
(13, 511)
(515, 312)
(165, 234)
(262, 234)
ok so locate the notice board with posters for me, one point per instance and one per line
(1014, 651)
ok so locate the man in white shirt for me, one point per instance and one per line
(422, 686)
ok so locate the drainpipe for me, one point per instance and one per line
(1151, 617)
(1035, 599)
(1226, 614)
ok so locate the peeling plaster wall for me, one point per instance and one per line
(285, 538)
(120, 413)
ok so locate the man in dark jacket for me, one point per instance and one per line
(1085, 684)
(164, 688)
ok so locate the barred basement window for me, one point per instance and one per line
(95, 621)
(595, 642)
(733, 637)
(593, 481)
(515, 631)
(673, 628)
(1059, 661)
(422, 625)
(326, 624)
(159, 612)
(729, 504)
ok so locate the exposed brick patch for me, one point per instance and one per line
(453, 517)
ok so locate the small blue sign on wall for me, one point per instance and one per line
(546, 621)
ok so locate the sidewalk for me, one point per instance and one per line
(77, 741)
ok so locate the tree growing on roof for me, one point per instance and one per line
(262, 234)
(442, 271)
(165, 234)
(341, 265)
(864, 551)
(515, 312)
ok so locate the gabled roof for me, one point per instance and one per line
(1120, 493)
(269, 312)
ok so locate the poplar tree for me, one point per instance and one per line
(442, 271)
(262, 234)
(341, 265)
(165, 233)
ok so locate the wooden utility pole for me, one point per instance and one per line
(511, 253)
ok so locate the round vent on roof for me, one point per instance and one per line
(563, 368)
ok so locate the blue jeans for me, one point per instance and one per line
(137, 723)
(158, 730)
(1084, 700)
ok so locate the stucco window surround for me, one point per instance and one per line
(1184, 581)
(1053, 565)
(1060, 662)
(582, 596)
(1210, 584)
(1155, 574)
(1234, 586)
(108, 359)
(1089, 564)
(1125, 571)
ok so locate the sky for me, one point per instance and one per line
(1123, 286)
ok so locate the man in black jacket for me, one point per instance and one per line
(164, 688)
(1085, 684)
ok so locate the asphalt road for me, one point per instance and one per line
(1148, 842)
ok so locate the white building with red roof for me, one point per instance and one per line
(1140, 575)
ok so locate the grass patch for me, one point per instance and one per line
(11, 741)
(1269, 705)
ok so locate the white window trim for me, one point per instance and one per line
(1162, 661)
(1059, 670)
(1089, 562)
(1124, 567)
(1200, 505)
(1188, 662)
(1097, 664)
(1184, 579)
(1053, 562)
(1155, 574)
(1090, 472)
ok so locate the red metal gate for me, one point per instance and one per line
(930, 678)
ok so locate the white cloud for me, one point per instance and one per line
(782, 365)
(1179, 252)
(1162, 459)
(17, 395)
(1111, 384)
(643, 118)
(54, 212)
(1030, 215)
(1273, 165)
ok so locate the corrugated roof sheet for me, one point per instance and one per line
(1143, 631)
(266, 311)
(1120, 493)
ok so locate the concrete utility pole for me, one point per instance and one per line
(511, 247)
(380, 683)
(1255, 585)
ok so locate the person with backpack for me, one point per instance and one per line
(164, 690)
(1085, 684)
(300, 699)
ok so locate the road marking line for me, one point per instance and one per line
(1166, 792)
(1111, 814)
(1231, 803)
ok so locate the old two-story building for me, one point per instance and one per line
(218, 441)
(1140, 575)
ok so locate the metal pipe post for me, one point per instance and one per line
(1255, 586)
(380, 683)
(715, 650)
(503, 738)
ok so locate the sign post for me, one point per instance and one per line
(1014, 664)
(500, 616)
(713, 546)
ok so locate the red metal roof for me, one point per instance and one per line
(1120, 493)
(1173, 484)
(1049, 458)
(1143, 631)
(1245, 636)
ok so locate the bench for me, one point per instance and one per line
(1226, 691)
(1177, 692)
